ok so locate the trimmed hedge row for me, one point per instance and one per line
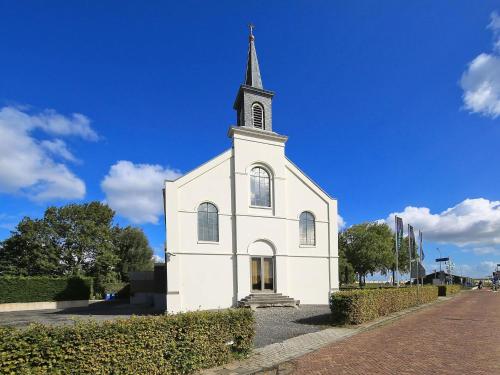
(446, 290)
(359, 306)
(166, 344)
(15, 289)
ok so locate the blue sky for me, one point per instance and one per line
(392, 107)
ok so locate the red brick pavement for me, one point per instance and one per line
(460, 336)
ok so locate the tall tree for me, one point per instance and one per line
(83, 232)
(346, 270)
(72, 239)
(30, 250)
(133, 250)
(368, 248)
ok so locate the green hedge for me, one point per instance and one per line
(44, 289)
(446, 290)
(166, 344)
(359, 306)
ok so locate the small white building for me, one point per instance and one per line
(249, 221)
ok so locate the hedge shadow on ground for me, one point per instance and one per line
(318, 320)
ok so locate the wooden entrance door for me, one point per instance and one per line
(262, 274)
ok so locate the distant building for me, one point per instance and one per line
(249, 222)
(442, 277)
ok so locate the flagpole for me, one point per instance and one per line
(396, 277)
(409, 249)
(422, 254)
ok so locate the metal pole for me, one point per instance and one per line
(451, 275)
(421, 240)
(396, 277)
(409, 249)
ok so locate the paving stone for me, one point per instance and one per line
(299, 355)
(458, 337)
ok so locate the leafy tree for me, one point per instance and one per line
(76, 239)
(368, 248)
(133, 250)
(30, 250)
(346, 270)
(83, 233)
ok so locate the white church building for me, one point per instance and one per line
(248, 226)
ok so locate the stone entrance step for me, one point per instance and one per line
(255, 300)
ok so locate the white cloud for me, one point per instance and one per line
(58, 148)
(481, 269)
(134, 191)
(158, 259)
(28, 165)
(481, 81)
(340, 222)
(486, 250)
(494, 26)
(473, 222)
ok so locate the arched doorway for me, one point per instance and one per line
(262, 267)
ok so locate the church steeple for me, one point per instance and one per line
(253, 103)
(252, 77)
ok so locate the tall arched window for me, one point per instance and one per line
(307, 228)
(208, 222)
(260, 187)
(258, 116)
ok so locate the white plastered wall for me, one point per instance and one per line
(213, 275)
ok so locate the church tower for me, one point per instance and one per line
(253, 104)
(248, 227)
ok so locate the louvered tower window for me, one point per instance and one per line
(258, 116)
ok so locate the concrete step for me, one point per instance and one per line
(255, 300)
(282, 300)
(258, 298)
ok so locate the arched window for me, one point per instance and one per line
(258, 116)
(208, 222)
(260, 187)
(307, 228)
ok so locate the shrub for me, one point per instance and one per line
(359, 306)
(166, 344)
(43, 289)
(446, 290)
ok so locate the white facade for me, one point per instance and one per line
(217, 274)
(207, 275)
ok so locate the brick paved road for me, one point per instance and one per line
(461, 336)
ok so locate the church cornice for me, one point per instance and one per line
(260, 134)
(252, 90)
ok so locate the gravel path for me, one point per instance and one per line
(275, 324)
